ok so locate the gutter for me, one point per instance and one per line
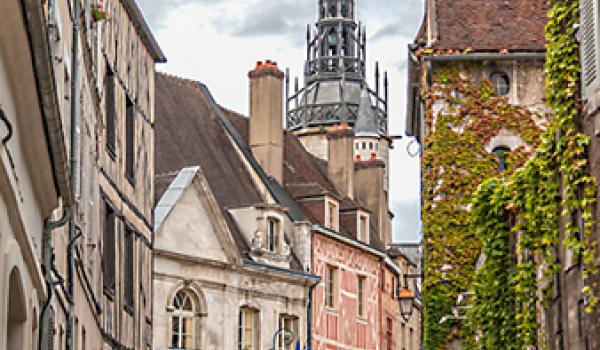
(283, 271)
(42, 65)
(485, 56)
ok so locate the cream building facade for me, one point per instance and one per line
(79, 75)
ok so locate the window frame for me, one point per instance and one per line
(110, 231)
(332, 214)
(361, 296)
(110, 111)
(274, 228)
(496, 85)
(363, 231)
(129, 270)
(130, 110)
(181, 315)
(242, 328)
(331, 286)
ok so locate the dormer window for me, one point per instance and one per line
(332, 214)
(363, 228)
(273, 233)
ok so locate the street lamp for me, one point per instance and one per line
(406, 299)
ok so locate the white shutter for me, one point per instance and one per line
(590, 57)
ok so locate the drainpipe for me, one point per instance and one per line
(309, 317)
(47, 267)
(74, 168)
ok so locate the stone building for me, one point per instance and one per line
(33, 168)
(89, 67)
(496, 41)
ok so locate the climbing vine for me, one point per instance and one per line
(550, 194)
(462, 118)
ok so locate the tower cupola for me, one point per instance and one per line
(334, 72)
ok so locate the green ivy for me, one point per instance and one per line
(455, 162)
(551, 193)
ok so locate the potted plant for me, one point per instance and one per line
(99, 13)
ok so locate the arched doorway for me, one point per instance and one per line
(17, 312)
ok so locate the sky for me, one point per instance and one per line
(218, 41)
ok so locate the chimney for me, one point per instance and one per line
(266, 117)
(370, 190)
(340, 164)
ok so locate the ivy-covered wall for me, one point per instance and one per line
(547, 205)
(462, 116)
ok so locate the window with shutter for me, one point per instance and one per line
(129, 271)
(589, 36)
(111, 112)
(130, 141)
(108, 251)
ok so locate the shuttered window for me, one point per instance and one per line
(589, 46)
(128, 277)
(130, 141)
(108, 250)
(111, 112)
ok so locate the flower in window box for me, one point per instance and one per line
(99, 13)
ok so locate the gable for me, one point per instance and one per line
(191, 228)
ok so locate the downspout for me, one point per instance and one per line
(309, 307)
(74, 149)
(47, 267)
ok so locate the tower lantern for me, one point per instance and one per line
(334, 72)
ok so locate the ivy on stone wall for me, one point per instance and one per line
(461, 119)
(550, 194)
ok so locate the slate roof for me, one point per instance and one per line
(366, 122)
(489, 25)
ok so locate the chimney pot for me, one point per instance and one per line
(373, 156)
(358, 157)
(344, 125)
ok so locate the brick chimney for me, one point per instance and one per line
(266, 117)
(340, 164)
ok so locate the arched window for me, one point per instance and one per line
(501, 153)
(501, 83)
(249, 331)
(183, 321)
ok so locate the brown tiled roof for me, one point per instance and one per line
(188, 133)
(491, 25)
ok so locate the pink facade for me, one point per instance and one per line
(339, 325)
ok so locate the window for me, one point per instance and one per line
(288, 339)
(111, 112)
(130, 141)
(393, 288)
(501, 83)
(273, 232)
(371, 145)
(128, 269)
(402, 335)
(363, 228)
(182, 321)
(248, 331)
(331, 287)
(389, 333)
(501, 155)
(331, 217)
(364, 145)
(108, 252)
(361, 296)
